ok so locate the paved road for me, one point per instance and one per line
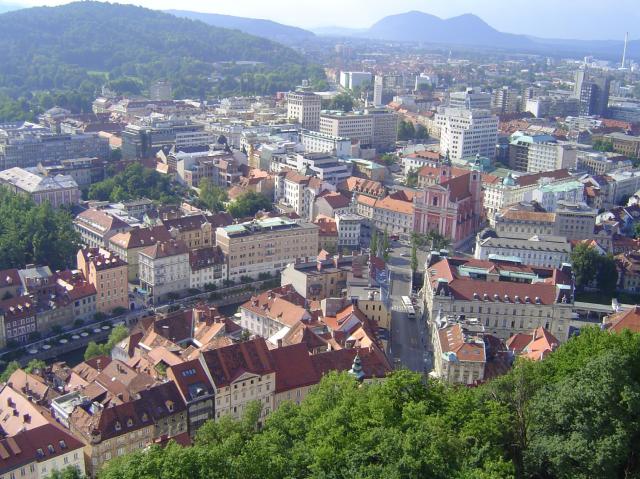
(409, 338)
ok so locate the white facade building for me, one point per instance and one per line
(316, 142)
(351, 80)
(538, 250)
(467, 133)
(349, 227)
(304, 107)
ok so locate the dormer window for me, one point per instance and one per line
(129, 422)
(145, 418)
(118, 426)
(170, 406)
(51, 449)
(62, 444)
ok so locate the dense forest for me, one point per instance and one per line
(574, 415)
(63, 55)
(37, 234)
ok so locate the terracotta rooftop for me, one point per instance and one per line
(630, 320)
(229, 363)
(140, 237)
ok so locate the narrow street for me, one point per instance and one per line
(409, 337)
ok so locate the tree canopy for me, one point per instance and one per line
(592, 268)
(63, 56)
(574, 415)
(35, 234)
(211, 196)
(248, 204)
(135, 182)
(94, 349)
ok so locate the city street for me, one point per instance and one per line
(409, 337)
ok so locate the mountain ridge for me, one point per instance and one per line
(286, 34)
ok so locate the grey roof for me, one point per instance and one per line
(33, 183)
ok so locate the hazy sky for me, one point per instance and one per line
(585, 19)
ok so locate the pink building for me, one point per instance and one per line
(451, 205)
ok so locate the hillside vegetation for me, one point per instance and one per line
(63, 55)
(575, 415)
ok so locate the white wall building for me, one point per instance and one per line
(316, 142)
(467, 133)
(351, 80)
(304, 107)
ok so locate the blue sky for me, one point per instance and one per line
(583, 19)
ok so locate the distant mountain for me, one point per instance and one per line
(253, 26)
(45, 48)
(470, 30)
(466, 29)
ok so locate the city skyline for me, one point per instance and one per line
(590, 23)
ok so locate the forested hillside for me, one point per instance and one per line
(64, 54)
(574, 415)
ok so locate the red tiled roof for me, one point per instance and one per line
(228, 363)
(626, 320)
(293, 367)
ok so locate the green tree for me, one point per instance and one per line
(421, 133)
(414, 257)
(406, 131)
(248, 204)
(584, 261)
(135, 182)
(385, 246)
(70, 472)
(342, 101)
(9, 370)
(93, 350)
(412, 178)
(38, 234)
(597, 437)
(213, 197)
(34, 365)
(607, 274)
(373, 244)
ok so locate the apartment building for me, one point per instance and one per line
(266, 245)
(511, 190)
(275, 310)
(550, 195)
(208, 267)
(107, 273)
(24, 144)
(470, 100)
(240, 373)
(164, 269)
(129, 244)
(316, 142)
(459, 351)
(373, 128)
(58, 190)
(394, 216)
(304, 107)
(540, 153)
(97, 227)
(505, 295)
(467, 133)
(536, 250)
(322, 278)
(31, 446)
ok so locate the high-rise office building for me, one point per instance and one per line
(378, 86)
(470, 99)
(593, 93)
(466, 133)
(304, 107)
